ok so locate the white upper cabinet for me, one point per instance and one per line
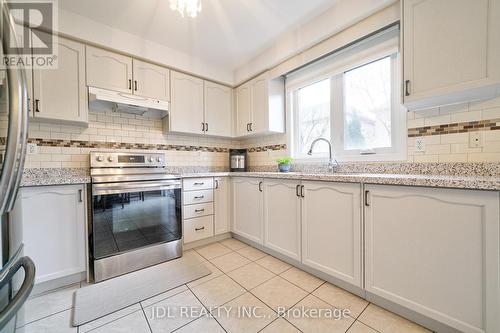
(61, 94)
(437, 252)
(199, 107)
(151, 80)
(186, 110)
(243, 110)
(218, 109)
(247, 208)
(260, 106)
(108, 70)
(282, 217)
(451, 51)
(331, 229)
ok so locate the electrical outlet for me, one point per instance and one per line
(32, 149)
(420, 144)
(476, 139)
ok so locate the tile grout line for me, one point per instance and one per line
(199, 300)
(45, 317)
(146, 317)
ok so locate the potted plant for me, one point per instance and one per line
(284, 164)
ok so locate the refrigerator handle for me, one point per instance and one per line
(15, 150)
(22, 295)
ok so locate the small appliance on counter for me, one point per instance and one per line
(238, 160)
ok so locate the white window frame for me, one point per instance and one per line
(355, 57)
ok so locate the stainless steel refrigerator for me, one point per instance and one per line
(17, 272)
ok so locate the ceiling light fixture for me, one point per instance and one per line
(190, 8)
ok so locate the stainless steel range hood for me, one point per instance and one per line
(103, 99)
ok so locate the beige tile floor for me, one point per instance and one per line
(243, 279)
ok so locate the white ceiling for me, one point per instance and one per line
(226, 32)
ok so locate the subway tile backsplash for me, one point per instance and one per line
(68, 146)
(445, 132)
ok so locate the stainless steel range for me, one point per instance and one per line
(135, 213)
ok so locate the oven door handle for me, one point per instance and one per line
(117, 188)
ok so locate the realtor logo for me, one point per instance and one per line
(32, 44)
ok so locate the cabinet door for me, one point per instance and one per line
(218, 109)
(151, 80)
(61, 94)
(108, 70)
(282, 217)
(247, 206)
(448, 45)
(186, 111)
(222, 203)
(331, 229)
(243, 110)
(435, 251)
(260, 105)
(53, 219)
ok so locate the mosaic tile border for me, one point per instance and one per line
(266, 148)
(139, 146)
(464, 127)
(123, 145)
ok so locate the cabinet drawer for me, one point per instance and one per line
(198, 210)
(193, 184)
(198, 228)
(195, 197)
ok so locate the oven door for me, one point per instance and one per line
(131, 215)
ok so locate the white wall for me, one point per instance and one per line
(87, 30)
(344, 14)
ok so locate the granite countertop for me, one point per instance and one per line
(446, 181)
(40, 177)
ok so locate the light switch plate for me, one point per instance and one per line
(32, 149)
(420, 144)
(476, 139)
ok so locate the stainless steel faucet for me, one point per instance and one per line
(331, 163)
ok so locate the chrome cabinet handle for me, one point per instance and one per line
(129, 84)
(251, 129)
(80, 198)
(198, 183)
(199, 210)
(37, 105)
(367, 204)
(206, 127)
(135, 85)
(407, 88)
(260, 186)
(297, 193)
(198, 229)
(203, 127)
(302, 191)
(216, 181)
(199, 197)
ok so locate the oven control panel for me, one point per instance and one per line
(118, 160)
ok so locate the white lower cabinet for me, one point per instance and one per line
(331, 229)
(282, 217)
(197, 208)
(198, 228)
(221, 204)
(435, 251)
(54, 224)
(247, 208)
